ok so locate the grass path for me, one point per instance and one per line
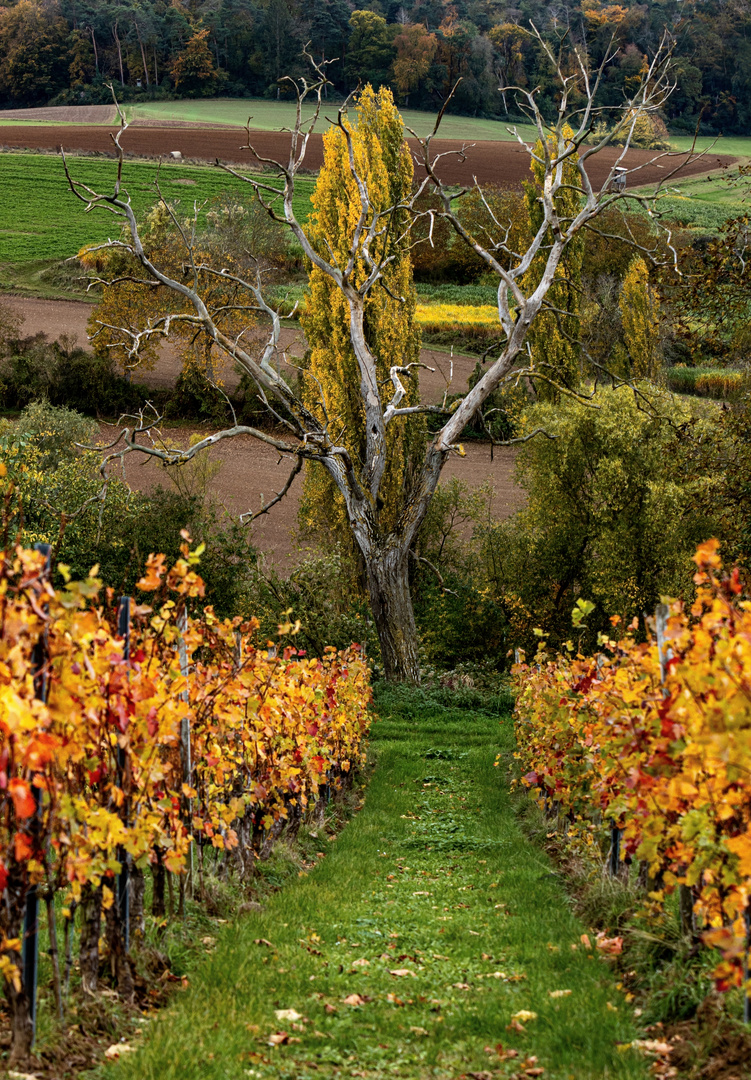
(410, 948)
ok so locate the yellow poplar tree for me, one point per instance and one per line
(383, 161)
(640, 318)
(554, 337)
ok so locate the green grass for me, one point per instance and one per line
(737, 145)
(432, 877)
(41, 219)
(273, 115)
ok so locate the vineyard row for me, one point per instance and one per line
(139, 748)
(655, 739)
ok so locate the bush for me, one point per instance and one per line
(65, 375)
(616, 509)
(57, 501)
(318, 591)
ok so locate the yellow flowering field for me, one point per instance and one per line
(478, 321)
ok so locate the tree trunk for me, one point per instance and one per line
(143, 53)
(119, 53)
(391, 603)
(119, 964)
(91, 922)
(22, 1031)
(96, 51)
(157, 902)
(137, 886)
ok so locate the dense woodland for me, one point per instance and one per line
(65, 51)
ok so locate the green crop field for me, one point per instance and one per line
(274, 115)
(41, 219)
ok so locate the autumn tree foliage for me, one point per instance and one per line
(33, 51)
(128, 301)
(658, 743)
(384, 164)
(415, 50)
(193, 69)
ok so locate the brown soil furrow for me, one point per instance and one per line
(502, 163)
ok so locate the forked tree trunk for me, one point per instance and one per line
(394, 616)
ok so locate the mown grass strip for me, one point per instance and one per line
(40, 218)
(275, 115)
(434, 910)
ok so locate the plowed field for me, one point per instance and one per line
(502, 163)
(56, 114)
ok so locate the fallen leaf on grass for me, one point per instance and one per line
(461, 986)
(585, 941)
(282, 1038)
(329, 1008)
(504, 1055)
(524, 1015)
(515, 1026)
(21, 1076)
(393, 999)
(209, 942)
(648, 1046)
(612, 946)
(536, 1070)
(362, 962)
(355, 1000)
(117, 1049)
(262, 941)
(481, 1075)
(287, 1014)
(401, 972)
(559, 993)
(418, 1031)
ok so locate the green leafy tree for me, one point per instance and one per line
(611, 517)
(371, 51)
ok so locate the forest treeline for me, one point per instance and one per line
(66, 51)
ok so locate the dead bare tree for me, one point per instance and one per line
(386, 551)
